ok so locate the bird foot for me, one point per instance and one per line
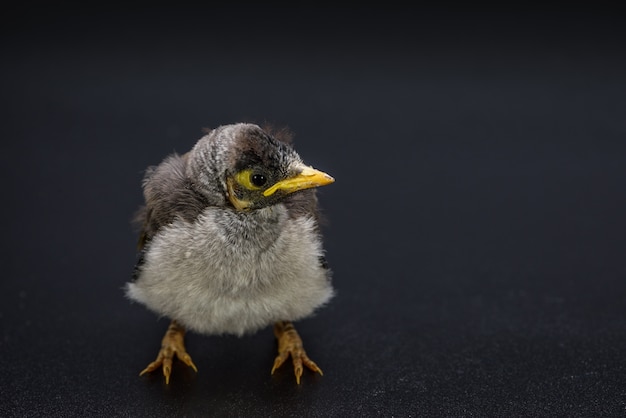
(290, 343)
(172, 344)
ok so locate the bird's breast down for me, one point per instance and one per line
(233, 272)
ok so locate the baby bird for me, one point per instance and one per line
(230, 243)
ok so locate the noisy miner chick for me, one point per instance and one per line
(230, 243)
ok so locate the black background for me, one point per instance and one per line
(476, 228)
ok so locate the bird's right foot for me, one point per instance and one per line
(172, 344)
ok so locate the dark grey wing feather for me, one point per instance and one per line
(168, 195)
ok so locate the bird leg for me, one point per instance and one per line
(172, 344)
(290, 343)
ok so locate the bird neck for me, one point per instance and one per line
(259, 227)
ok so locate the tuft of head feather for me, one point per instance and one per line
(283, 134)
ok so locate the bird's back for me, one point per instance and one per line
(168, 194)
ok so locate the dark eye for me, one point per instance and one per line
(258, 180)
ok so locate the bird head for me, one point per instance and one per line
(250, 168)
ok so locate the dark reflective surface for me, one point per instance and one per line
(476, 227)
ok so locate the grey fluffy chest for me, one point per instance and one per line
(233, 272)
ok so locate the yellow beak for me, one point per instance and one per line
(308, 177)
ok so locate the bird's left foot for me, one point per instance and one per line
(290, 343)
(172, 344)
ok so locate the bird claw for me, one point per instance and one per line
(171, 345)
(290, 344)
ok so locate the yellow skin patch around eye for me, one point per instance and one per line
(240, 204)
(244, 178)
(306, 179)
